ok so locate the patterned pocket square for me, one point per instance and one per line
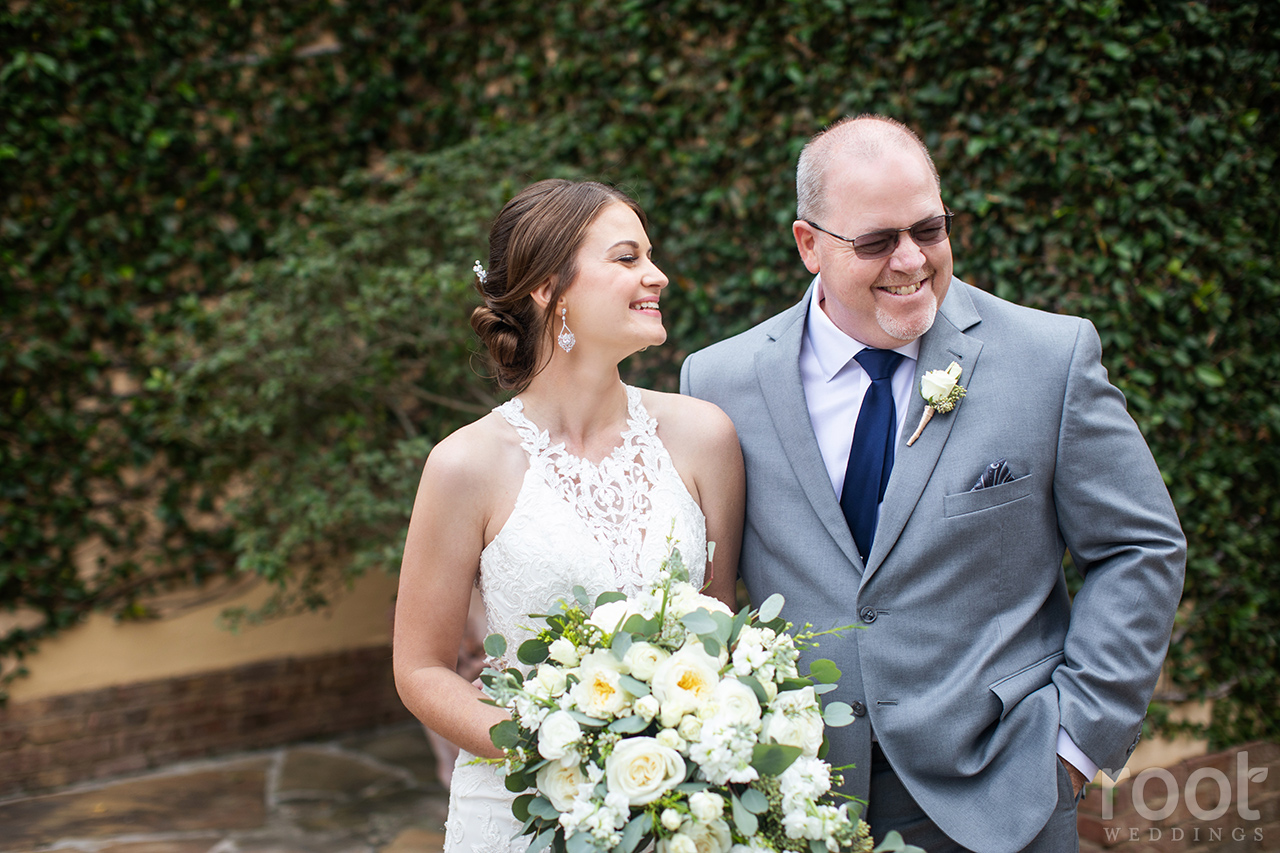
(993, 475)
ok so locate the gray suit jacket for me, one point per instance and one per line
(971, 653)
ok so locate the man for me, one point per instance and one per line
(983, 697)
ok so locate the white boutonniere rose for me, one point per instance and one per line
(941, 390)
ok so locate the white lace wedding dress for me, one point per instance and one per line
(604, 527)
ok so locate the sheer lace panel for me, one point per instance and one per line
(613, 497)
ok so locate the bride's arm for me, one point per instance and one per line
(721, 483)
(704, 446)
(441, 559)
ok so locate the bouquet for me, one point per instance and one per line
(665, 719)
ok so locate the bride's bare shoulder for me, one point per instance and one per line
(477, 455)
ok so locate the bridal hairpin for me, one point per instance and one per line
(480, 272)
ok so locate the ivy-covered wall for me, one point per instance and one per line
(235, 243)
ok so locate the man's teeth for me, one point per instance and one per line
(905, 290)
(643, 306)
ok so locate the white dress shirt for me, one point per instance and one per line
(834, 385)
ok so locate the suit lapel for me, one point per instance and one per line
(944, 343)
(778, 372)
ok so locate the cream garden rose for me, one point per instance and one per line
(710, 837)
(685, 681)
(558, 738)
(794, 720)
(737, 703)
(608, 617)
(706, 806)
(599, 692)
(564, 652)
(641, 769)
(560, 784)
(642, 659)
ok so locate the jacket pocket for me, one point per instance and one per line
(1012, 689)
(988, 498)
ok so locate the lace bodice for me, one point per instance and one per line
(604, 526)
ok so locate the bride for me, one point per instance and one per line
(579, 479)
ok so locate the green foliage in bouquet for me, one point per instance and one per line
(667, 718)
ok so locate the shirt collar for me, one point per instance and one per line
(832, 348)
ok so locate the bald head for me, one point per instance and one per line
(864, 138)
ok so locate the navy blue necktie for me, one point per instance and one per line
(871, 457)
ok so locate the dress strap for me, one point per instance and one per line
(533, 440)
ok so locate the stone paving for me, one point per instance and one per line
(369, 792)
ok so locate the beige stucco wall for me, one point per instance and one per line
(103, 653)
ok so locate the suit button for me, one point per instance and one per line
(868, 614)
(859, 709)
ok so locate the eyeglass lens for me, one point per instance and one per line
(878, 244)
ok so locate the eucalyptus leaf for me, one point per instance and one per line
(495, 645)
(771, 759)
(825, 671)
(699, 622)
(532, 652)
(520, 806)
(743, 818)
(505, 734)
(771, 608)
(608, 596)
(622, 641)
(628, 725)
(634, 832)
(541, 841)
(837, 714)
(634, 686)
(542, 807)
(754, 801)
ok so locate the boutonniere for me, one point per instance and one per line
(941, 390)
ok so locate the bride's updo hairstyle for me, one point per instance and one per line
(535, 238)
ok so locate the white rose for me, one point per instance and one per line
(678, 843)
(706, 806)
(685, 599)
(599, 692)
(610, 616)
(558, 737)
(690, 727)
(560, 784)
(937, 384)
(671, 739)
(642, 659)
(737, 703)
(563, 652)
(794, 721)
(647, 707)
(550, 681)
(686, 680)
(671, 819)
(642, 770)
(713, 837)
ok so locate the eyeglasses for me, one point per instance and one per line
(881, 244)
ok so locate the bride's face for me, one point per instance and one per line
(613, 301)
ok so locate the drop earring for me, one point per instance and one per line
(565, 339)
